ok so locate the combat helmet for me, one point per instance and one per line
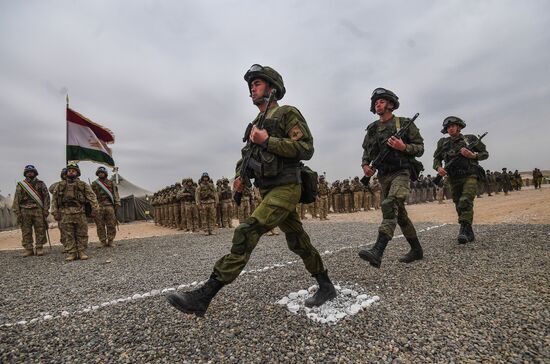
(74, 166)
(382, 93)
(449, 120)
(30, 168)
(101, 170)
(63, 173)
(267, 74)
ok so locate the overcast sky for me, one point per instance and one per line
(167, 78)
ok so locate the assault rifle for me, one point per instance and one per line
(379, 160)
(245, 179)
(470, 147)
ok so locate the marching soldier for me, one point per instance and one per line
(286, 137)
(206, 197)
(68, 207)
(108, 200)
(394, 174)
(62, 238)
(31, 205)
(463, 173)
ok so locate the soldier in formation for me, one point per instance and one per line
(62, 238)
(31, 205)
(109, 202)
(206, 198)
(394, 175)
(463, 173)
(537, 178)
(68, 207)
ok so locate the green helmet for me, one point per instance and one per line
(74, 166)
(382, 93)
(267, 74)
(449, 120)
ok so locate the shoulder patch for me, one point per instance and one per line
(296, 133)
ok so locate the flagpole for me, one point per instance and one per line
(66, 130)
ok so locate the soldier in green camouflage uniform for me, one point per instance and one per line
(68, 204)
(278, 149)
(31, 205)
(324, 191)
(394, 174)
(108, 200)
(463, 173)
(206, 198)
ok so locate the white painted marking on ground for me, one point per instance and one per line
(350, 301)
(156, 292)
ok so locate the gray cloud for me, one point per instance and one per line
(166, 77)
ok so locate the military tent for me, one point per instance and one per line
(7, 217)
(135, 201)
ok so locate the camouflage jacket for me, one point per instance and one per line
(206, 193)
(449, 148)
(22, 199)
(379, 132)
(71, 196)
(102, 198)
(290, 141)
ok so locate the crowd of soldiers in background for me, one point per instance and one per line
(204, 206)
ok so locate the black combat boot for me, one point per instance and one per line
(374, 255)
(325, 292)
(462, 234)
(470, 233)
(197, 301)
(415, 253)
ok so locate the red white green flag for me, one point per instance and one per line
(87, 141)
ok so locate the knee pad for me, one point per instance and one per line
(294, 240)
(388, 209)
(247, 231)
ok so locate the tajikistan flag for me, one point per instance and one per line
(87, 141)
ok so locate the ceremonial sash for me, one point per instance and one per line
(29, 189)
(106, 190)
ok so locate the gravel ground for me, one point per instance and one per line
(486, 301)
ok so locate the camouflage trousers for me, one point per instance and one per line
(357, 200)
(348, 202)
(177, 216)
(29, 219)
(464, 190)
(244, 209)
(323, 207)
(395, 189)
(278, 208)
(227, 209)
(105, 222)
(208, 216)
(191, 216)
(76, 231)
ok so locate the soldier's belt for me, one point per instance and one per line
(291, 176)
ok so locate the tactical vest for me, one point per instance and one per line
(323, 189)
(396, 160)
(188, 194)
(451, 149)
(269, 169)
(225, 193)
(71, 194)
(207, 192)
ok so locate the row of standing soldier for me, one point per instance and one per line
(72, 202)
